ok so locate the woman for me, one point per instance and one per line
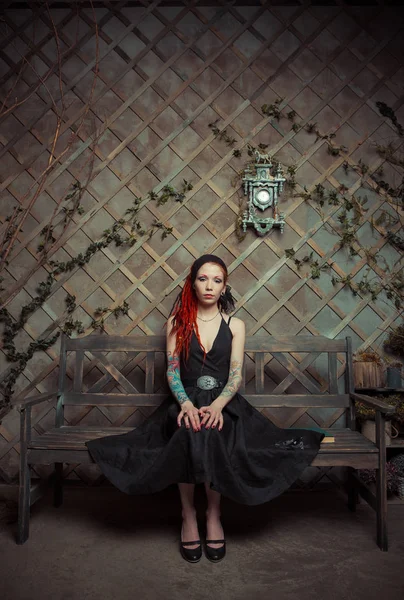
(206, 432)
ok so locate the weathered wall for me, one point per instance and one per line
(164, 74)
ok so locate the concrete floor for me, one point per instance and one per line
(102, 544)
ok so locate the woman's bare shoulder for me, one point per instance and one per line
(237, 324)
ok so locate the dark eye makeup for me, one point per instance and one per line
(216, 280)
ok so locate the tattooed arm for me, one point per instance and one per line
(173, 369)
(188, 411)
(233, 382)
(236, 363)
(174, 378)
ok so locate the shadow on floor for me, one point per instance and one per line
(104, 544)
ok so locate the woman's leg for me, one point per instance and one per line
(214, 529)
(189, 522)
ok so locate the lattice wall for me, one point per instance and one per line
(165, 73)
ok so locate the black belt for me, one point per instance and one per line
(205, 382)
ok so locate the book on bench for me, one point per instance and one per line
(328, 437)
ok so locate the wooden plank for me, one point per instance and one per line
(332, 373)
(32, 400)
(59, 414)
(75, 441)
(254, 343)
(375, 403)
(114, 399)
(298, 343)
(48, 457)
(342, 436)
(346, 441)
(25, 477)
(357, 461)
(118, 343)
(259, 372)
(149, 382)
(243, 381)
(257, 400)
(78, 371)
(381, 484)
(298, 400)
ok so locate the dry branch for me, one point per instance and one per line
(21, 213)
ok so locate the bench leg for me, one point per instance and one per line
(381, 484)
(58, 485)
(353, 494)
(381, 513)
(24, 499)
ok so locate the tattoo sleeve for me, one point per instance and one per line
(233, 382)
(174, 379)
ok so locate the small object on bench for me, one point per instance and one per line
(66, 444)
(328, 437)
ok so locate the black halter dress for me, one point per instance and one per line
(250, 460)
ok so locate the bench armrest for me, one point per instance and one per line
(384, 408)
(21, 404)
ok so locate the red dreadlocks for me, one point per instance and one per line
(184, 321)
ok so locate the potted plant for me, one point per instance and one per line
(367, 369)
(393, 372)
(366, 418)
(394, 343)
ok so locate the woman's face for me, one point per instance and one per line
(209, 284)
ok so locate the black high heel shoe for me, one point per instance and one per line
(215, 554)
(192, 555)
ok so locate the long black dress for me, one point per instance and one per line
(250, 460)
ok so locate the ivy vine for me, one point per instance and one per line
(353, 209)
(125, 231)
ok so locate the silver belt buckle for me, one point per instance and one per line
(206, 382)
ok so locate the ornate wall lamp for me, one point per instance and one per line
(263, 189)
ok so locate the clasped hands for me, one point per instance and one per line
(207, 416)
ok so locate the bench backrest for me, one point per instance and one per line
(294, 355)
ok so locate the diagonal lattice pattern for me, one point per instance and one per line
(164, 74)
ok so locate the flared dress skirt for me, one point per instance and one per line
(250, 460)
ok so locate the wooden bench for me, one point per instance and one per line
(66, 444)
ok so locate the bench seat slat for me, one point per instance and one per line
(358, 460)
(66, 437)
